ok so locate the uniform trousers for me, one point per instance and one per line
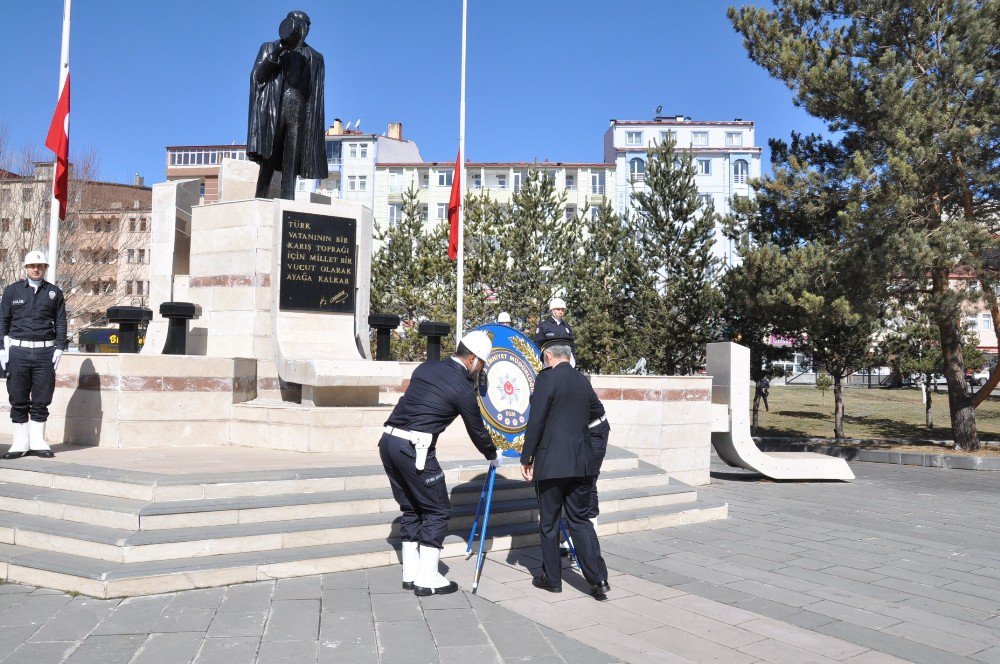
(570, 496)
(422, 494)
(31, 380)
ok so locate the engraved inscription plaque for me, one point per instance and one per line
(318, 255)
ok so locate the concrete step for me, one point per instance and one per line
(149, 487)
(131, 545)
(101, 578)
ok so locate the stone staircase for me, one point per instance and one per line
(106, 532)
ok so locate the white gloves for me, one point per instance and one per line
(498, 461)
(56, 354)
(4, 356)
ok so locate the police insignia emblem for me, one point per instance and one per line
(52, 295)
(505, 386)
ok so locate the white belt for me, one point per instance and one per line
(421, 442)
(602, 418)
(32, 344)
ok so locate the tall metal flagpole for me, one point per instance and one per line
(462, 184)
(54, 204)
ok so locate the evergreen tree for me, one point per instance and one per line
(680, 294)
(485, 264)
(412, 276)
(911, 88)
(605, 278)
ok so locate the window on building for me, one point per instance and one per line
(131, 255)
(570, 212)
(570, 182)
(986, 322)
(5, 225)
(395, 213)
(109, 287)
(518, 179)
(141, 256)
(442, 211)
(633, 138)
(477, 181)
(425, 213)
(142, 225)
(26, 225)
(132, 225)
(128, 287)
(444, 178)
(637, 169)
(699, 138)
(597, 182)
(704, 167)
(362, 183)
(734, 139)
(741, 169)
(95, 288)
(352, 150)
(26, 194)
(352, 183)
(501, 182)
(972, 322)
(363, 151)
(201, 188)
(669, 133)
(138, 287)
(425, 180)
(595, 212)
(173, 158)
(705, 199)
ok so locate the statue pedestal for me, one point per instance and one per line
(288, 283)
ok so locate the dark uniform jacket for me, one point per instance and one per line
(33, 316)
(557, 440)
(440, 391)
(552, 330)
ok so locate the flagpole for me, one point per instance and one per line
(54, 203)
(462, 184)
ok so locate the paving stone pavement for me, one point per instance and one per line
(900, 565)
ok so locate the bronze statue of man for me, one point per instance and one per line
(286, 126)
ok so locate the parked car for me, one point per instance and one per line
(979, 378)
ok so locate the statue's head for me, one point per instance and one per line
(302, 18)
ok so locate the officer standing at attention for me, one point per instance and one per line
(33, 333)
(558, 456)
(555, 326)
(503, 318)
(439, 391)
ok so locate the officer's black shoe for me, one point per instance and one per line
(14, 455)
(44, 454)
(540, 582)
(408, 585)
(599, 591)
(420, 591)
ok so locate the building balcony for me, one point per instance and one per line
(334, 164)
(597, 189)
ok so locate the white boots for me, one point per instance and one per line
(28, 438)
(19, 440)
(429, 581)
(411, 563)
(36, 439)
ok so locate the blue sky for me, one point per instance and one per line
(544, 77)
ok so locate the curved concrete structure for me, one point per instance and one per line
(729, 366)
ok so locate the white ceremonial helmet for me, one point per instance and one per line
(557, 303)
(35, 258)
(479, 343)
(504, 317)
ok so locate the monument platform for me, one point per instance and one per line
(119, 522)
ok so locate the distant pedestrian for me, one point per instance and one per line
(763, 390)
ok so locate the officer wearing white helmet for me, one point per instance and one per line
(555, 327)
(439, 391)
(504, 318)
(33, 333)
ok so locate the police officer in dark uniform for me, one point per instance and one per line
(33, 334)
(439, 391)
(555, 326)
(558, 456)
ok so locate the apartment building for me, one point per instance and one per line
(201, 162)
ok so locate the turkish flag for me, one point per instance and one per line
(58, 142)
(454, 203)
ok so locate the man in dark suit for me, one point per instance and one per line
(558, 456)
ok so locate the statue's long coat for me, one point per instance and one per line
(266, 87)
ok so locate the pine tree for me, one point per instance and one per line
(911, 89)
(676, 231)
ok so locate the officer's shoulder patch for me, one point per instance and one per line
(52, 295)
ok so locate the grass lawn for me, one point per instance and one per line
(877, 413)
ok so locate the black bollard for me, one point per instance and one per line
(177, 315)
(129, 319)
(434, 332)
(383, 324)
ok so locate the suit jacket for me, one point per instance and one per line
(557, 440)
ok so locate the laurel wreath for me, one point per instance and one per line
(528, 352)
